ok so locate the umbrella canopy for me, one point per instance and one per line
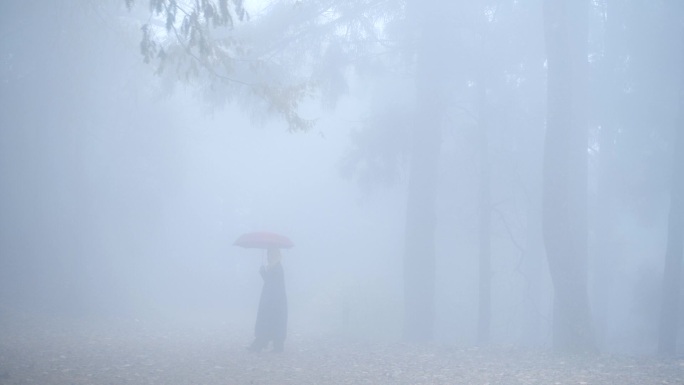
(263, 240)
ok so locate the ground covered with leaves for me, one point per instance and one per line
(133, 352)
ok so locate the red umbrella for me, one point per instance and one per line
(263, 240)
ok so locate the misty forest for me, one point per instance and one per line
(341, 192)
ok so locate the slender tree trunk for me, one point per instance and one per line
(533, 328)
(484, 310)
(565, 172)
(535, 297)
(536, 293)
(669, 312)
(605, 247)
(419, 256)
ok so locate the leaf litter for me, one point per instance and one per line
(137, 353)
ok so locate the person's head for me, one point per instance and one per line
(273, 255)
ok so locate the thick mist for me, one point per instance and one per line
(419, 156)
(123, 200)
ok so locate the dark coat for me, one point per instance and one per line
(271, 322)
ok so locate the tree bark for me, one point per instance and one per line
(565, 172)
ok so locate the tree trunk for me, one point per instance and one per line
(605, 247)
(484, 309)
(669, 312)
(419, 256)
(565, 172)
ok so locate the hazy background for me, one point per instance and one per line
(121, 198)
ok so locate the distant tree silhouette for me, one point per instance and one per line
(565, 172)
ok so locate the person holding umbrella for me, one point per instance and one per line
(271, 321)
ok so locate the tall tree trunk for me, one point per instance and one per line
(669, 312)
(536, 297)
(484, 260)
(419, 256)
(605, 247)
(565, 172)
(534, 327)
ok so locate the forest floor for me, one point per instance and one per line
(131, 352)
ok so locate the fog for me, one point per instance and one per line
(123, 199)
(413, 170)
